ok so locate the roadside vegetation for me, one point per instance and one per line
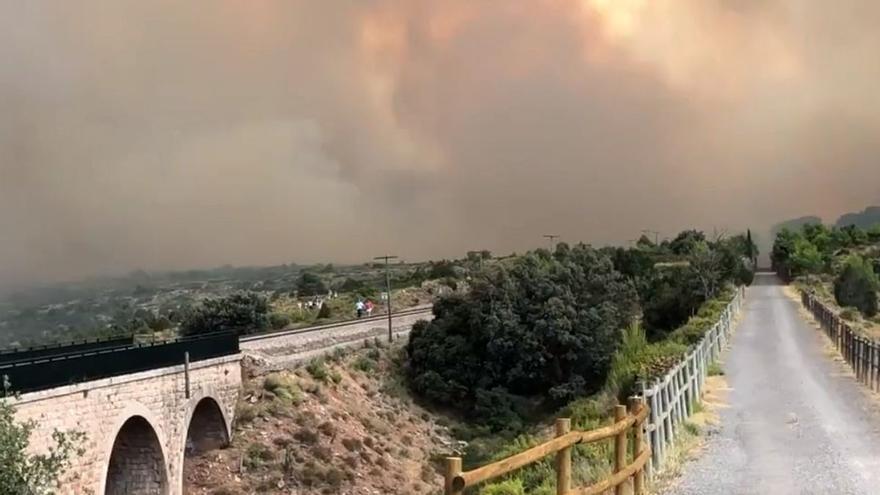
(27, 473)
(568, 332)
(839, 264)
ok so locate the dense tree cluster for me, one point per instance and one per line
(677, 276)
(310, 284)
(842, 252)
(240, 313)
(543, 327)
(547, 324)
(857, 285)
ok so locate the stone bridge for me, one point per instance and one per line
(140, 428)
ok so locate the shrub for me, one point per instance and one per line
(318, 370)
(27, 473)
(310, 284)
(258, 454)
(544, 326)
(241, 313)
(335, 376)
(284, 387)
(668, 299)
(307, 436)
(365, 364)
(509, 487)
(857, 286)
(636, 359)
(693, 331)
(325, 311)
(279, 320)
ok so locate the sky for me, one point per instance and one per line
(170, 135)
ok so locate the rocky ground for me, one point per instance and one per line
(343, 425)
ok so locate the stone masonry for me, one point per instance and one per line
(141, 420)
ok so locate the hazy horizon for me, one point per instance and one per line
(167, 136)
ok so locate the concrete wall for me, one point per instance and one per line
(133, 408)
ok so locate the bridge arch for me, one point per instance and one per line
(207, 427)
(136, 459)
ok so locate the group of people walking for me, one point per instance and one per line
(364, 307)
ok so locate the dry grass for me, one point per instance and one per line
(297, 433)
(690, 443)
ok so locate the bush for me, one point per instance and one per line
(318, 370)
(693, 331)
(365, 364)
(283, 387)
(857, 286)
(257, 454)
(668, 299)
(241, 313)
(310, 284)
(324, 312)
(639, 360)
(279, 320)
(26, 473)
(546, 326)
(509, 487)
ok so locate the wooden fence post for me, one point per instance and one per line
(453, 469)
(563, 459)
(619, 447)
(636, 404)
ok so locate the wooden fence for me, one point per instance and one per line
(624, 422)
(671, 398)
(862, 354)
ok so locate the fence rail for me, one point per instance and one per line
(671, 398)
(63, 368)
(624, 422)
(861, 353)
(23, 353)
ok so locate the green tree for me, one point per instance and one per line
(707, 265)
(686, 242)
(857, 286)
(670, 297)
(546, 327)
(310, 284)
(805, 258)
(240, 312)
(32, 474)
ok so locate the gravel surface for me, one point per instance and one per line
(796, 422)
(286, 350)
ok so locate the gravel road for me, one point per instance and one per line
(796, 422)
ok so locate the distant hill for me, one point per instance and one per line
(793, 224)
(865, 219)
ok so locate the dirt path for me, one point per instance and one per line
(797, 422)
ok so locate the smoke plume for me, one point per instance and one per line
(164, 134)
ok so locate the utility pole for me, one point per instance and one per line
(388, 292)
(552, 238)
(479, 256)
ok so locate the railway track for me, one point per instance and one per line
(420, 310)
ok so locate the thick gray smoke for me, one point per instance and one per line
(169, 134)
